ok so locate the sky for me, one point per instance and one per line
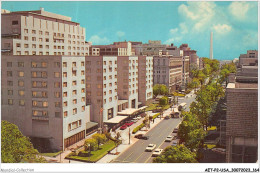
(234, 24)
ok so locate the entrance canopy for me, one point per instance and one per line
(90, 124)
(120, 102)
(128, 111)
(116, 119)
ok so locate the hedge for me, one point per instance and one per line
(156, 115)
(138, 128)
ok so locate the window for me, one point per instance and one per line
(21, 102)
(74, 64)
(82, 90)
(10, 101)
(74, 101)
(110, 99)
(74, 83)
(20, 83)
(88, 62)
(33, 32)
(82, 72)
(44, 64)
(82, 81)
(21, 74)
(33, 45)
(10, 92)
(26, 31)
(47, 46)
(9, 64)
(15, 22)
(56, 84)
(56, 64)
(65, 114)
(74, 92)
(65, 94)
(44, 104)
(33, 38)
(64, 64)
(20, 64)
(74, 111)
(57, 94)
(105, 93)
(25, 37)
(65, 104)
(57, 114)
(82, 63)
(74, 73)
(82, 110)
(9, 73)
(99, 86)
(105, 63)
(57, 104)
(88, 93)
(105, 101)
(56, 74)
(65, 84)
(82, 99)
(46, 33)
(10, 83)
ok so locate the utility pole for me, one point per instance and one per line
(129, 135)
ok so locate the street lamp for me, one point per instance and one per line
(89, 152)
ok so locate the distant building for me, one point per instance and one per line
(168, 71)
(191, 53)
(242, 116)
(251, 58)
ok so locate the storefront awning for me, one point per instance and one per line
(128, 111)
(116, 119)
(141, 108)
(90, 124)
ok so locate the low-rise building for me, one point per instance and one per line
(249, 59)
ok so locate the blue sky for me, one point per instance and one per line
(234, 24)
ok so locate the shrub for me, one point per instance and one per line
(156, 115)
(83, 154)
(138, 128)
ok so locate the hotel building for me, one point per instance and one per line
(45, 97)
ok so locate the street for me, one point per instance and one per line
(137, 154)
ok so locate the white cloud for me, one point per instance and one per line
(239, 9)
(120, 33)
(250, 39)
(95, 39)
(169, 41)
(173, 31)
(222, 29)
(183, 28)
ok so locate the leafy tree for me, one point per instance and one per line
(100, 138)
(201, 77)
(160, 90)
(189, 123)
(195, 139)
(207, 70)
(163, 101)
(15, 147)
(90, 144)
(176, 154)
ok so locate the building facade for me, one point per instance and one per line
(45, 97)
(168, 71)
(242, 117)
(41, 33)
(145, 79)
(249, 59)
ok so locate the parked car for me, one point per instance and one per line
(167, 117)
(175, 142)
(134, 120)
(123, 127)
(139, 117)
(168, 138)
(150, 147)
(175, 130)
(129, 123)
(157, 152)
(141, 136)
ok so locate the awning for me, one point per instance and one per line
(120, 102)
(128, 111)
(116, 119)
(142, 107)
(90, 124)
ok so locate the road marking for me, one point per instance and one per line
(128, 156)
(138, 157)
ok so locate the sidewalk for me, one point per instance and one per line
(125, 137)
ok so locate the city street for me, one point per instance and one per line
(137, 154)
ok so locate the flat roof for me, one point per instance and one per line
(90, 124)
(116, 119)
(128, 111)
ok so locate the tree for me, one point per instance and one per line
(176, 154)
(90, 144)
(101, 138)
(207, 70)
(15, 147)
(163, 101)
(195, 139)
(160, 90)
(201, 77)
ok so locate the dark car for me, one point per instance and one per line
(141, 136)
(123, 127)
(175, 130)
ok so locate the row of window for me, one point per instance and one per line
(54, 34)
(74, 111)
(74, 125)
(48, 53)
(100, 62)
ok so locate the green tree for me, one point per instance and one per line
(160, 89)
(201, 77)
(90, 144)
(15, 147)
(207, 70)
(164, 90)
(101, 138)
(195, 139)
(156, 89)
(163, 101)
(176, 154)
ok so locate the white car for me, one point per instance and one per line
(134, 120)
(139, 117)
(168, 138)
(150, 147)
(157, 152)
